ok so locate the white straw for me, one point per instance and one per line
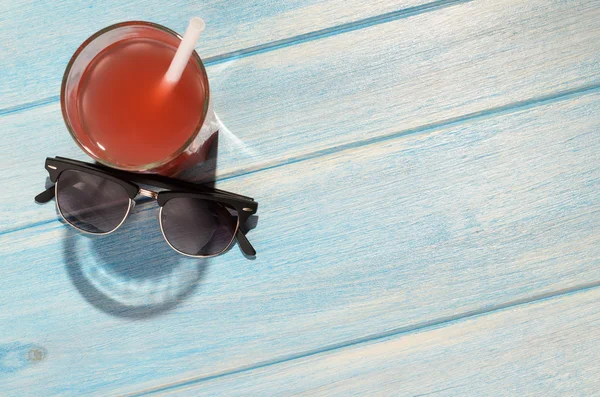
(182, 56)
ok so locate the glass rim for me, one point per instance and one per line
(143, 167)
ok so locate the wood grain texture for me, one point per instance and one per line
(550, 348)
(350, 244)
(462, 62)
(38, 38)
(408, 173)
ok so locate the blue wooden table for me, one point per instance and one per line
(428, 176)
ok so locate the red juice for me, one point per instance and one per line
(132, 119)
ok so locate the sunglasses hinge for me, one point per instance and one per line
(148, 193)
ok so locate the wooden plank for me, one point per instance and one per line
(354, 243)
(549, 348)
(38, 38)
(297, 102)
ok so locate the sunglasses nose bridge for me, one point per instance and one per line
(148, 193)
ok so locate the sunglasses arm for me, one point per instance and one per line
(45, 196)
(245, 245)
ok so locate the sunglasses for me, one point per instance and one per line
(195, 220)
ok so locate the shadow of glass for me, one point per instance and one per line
(133, 272)
(205, 171)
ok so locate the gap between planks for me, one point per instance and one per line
(282, 43)
(395, 332)
(423, 129)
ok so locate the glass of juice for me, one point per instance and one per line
(118, 109)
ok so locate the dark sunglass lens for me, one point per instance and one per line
(198, 227)
(91, 203)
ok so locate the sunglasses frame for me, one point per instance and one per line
(245, 206)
